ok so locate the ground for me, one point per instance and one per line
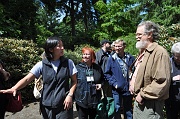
(30, 111)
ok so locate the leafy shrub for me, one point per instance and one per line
(169, 36)
(19, 57)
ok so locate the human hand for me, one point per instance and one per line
(98, 86)
(68, 102)
(131, 86)
(139, 99)
(176, 78)
(11, 90)
(131, 89)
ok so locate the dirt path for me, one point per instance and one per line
(30, 111)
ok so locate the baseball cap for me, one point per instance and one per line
(105, 41)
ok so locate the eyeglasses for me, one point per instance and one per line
(116, 46)
(140, 34)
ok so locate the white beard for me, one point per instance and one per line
(141, 44)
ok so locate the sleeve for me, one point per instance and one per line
(108, 73)
(72, 67)
(97, 57)
(160, 74)
(37, 69)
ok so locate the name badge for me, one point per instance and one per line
(89, 78)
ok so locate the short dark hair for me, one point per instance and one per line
(50, 43)
(104, 41)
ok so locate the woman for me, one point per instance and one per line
(4, 76)
(56, 98)
(88, 91)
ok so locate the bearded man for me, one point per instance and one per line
(151, 79)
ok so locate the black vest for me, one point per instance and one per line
(55, 85)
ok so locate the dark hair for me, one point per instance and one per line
(51, 43)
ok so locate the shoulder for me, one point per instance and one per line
(130, 56)
(39, 64)
(161, 50)
(99, 51)
(96, 66)
(70, 61)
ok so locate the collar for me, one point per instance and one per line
(115, 56)
(152, 47)
(48, 62)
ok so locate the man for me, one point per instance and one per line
(117, 75)
(101, 59)
(103, 54)
(151, 79)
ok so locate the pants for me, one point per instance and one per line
(126, 103)
(172, 109)
(151, 109)
(3, 103)
(86, 113)
(56, 113)
(107, 89)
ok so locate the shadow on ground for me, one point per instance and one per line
(31, 111)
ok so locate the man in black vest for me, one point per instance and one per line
(101, 59)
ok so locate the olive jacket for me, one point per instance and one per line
(153, 77)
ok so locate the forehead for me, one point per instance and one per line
(118, 43)
(140, 29)
(86, 52)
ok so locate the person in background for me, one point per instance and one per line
(151, 79)
(101, 59)
(90, 79)
(172, 104)
(112, 48)
(117, 74)
(4, 76)
(56, 98)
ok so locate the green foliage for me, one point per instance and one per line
(19, 56)
(43, 34)
(130, 40)
(164, 12)
(76, 55)
(169, 36)
(117, 19)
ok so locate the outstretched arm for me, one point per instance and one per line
(21, 84)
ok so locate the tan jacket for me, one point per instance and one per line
(153, 76)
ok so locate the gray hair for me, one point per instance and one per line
(120, 40)
(176, 48)
(151, 27)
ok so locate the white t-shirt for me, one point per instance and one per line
(37, 69)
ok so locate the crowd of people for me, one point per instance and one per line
(141, 87)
